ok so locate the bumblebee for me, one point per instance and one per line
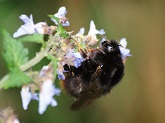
(101, 70)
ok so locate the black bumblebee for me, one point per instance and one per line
(101, 70)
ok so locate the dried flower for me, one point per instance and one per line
(7, 116)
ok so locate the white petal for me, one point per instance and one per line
(23, 30)
(42, 72)
(101, 32)
(39, 27)
(26, 96)
(61, 12)
(53, 103)
(34, 96)
(27, 28)
(81, 31)
(92, 29)
(123, 42)
(26, 19)
(46, 95)
(57, 91)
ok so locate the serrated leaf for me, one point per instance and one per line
(54, 63)
(16, 79)
(14, 52)
(36, 38)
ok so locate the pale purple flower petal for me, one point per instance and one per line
(61, 12)
(78, 59)
(81, 32)
(47, 92)
(93, 30)
(60, 75)
(27, 96)
(61, 15)
(29, 27)
(124, 51)
(92, 33)
(66, 23)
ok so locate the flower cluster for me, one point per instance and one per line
(47, 91)
(64, 48)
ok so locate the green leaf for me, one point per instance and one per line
(60, 29)
(55, 18)
(14, 52)
(54, 63)
(36, 38)
(16, 79)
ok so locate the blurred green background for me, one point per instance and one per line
(140, 97)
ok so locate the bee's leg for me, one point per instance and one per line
(96, 74)
(83, 54)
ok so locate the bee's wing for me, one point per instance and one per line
(91, 94)
(82, 102)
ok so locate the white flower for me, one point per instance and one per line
(81, 32)
(29, 27)
(92, 33)
(26, 96)
(124, 51)
(47, 91)
(61, 15)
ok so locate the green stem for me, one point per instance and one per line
(28, 65)
(33, 61)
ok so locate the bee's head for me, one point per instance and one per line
(110, 46)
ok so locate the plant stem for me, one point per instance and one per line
(33, 61)
(28, 65)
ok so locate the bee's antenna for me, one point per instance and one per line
(120, 45)
(105, 38)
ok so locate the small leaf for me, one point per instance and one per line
(16, 79)
(55, 18)
(14, 52)
(36, 38)
(60, 29)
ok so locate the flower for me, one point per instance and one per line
(61, 15)
(92, 33)
(60, 75)
(124, 51)
(60, 70)
(26, 96)
(81, 32)
(29, 27)
(47, 91)
(74, 58)
(78, 59)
